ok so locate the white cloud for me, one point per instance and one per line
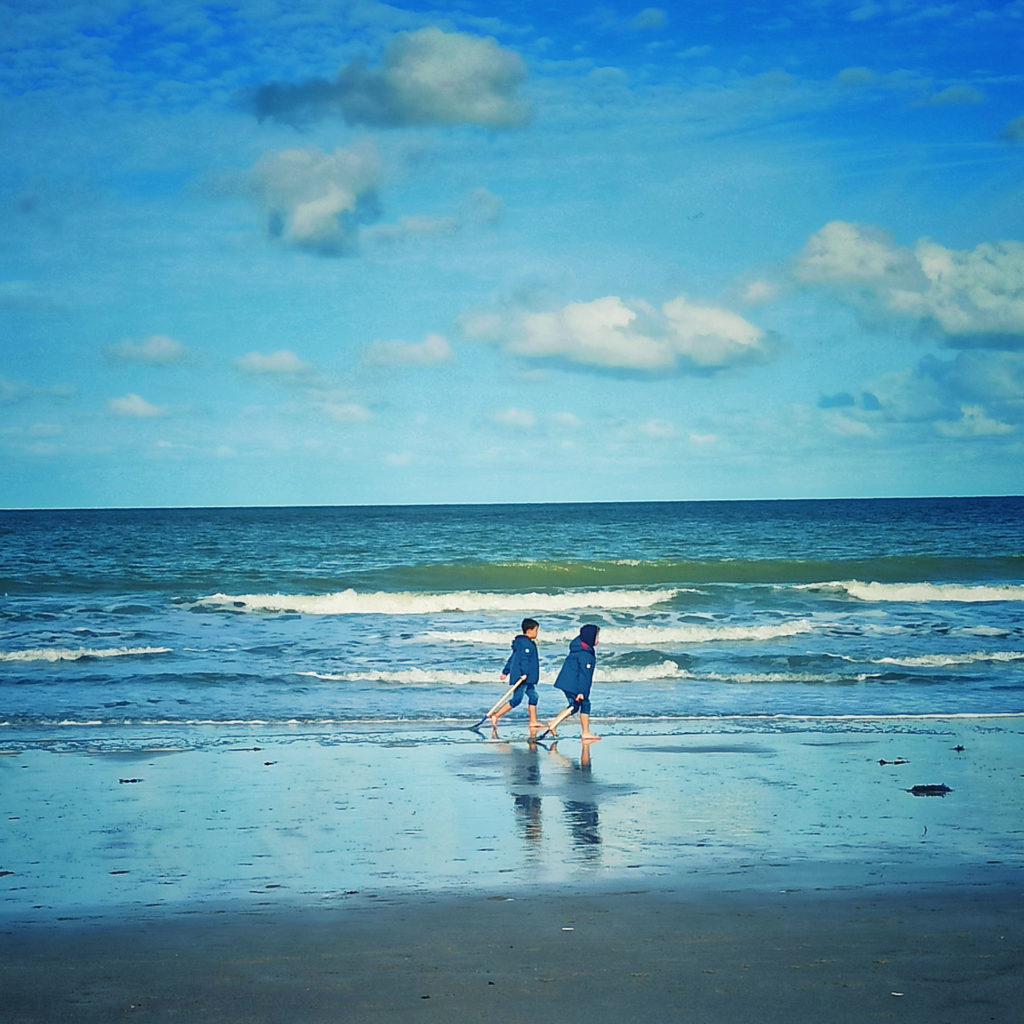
(657, 428)
(156, 350)
(425, 77)
(283, 363)
(517, 419)
(433, 349)
(964, 293)
(607, 333)
(135, 407)
(412, 226)
(315, 200)
(973, 422)
(345, 412)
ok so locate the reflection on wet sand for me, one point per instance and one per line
(526, 784)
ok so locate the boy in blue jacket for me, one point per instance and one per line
(523, 668)
(575, 679)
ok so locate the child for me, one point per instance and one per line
(575, 679)
(523, 668)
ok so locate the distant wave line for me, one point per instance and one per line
(639, 636)
(350, 602)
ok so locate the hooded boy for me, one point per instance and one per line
(575, 678)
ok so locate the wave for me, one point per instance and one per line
(948, 660)
(350, 602)
(449, 677)
(80, 653)
(531, 574)
(918, 593)
(639, 636)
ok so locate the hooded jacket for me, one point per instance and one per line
(577, 672)
(523, 661)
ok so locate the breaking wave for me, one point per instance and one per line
(639, 636)
(917, 593)
(79, 653)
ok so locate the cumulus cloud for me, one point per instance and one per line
(315, 200)
(971, 296)
(433, 349)
(608, 333)
(283, 363)
(156, 350)
(135, 407)
(427, 77)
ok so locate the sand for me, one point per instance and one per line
(732, 871)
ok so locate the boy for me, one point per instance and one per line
(523, 668)
(575, 679)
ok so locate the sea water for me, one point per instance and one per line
(176, 627)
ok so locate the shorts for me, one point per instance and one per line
(583, 706)
(530, 689)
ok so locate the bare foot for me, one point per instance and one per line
(589, 737)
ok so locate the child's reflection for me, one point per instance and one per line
(581, 812)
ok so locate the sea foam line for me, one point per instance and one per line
(917, 593)
(424, 677)
(350, 602)
(77, 654)
(637, 636)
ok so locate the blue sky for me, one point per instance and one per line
(300, 252)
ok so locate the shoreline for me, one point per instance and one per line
(306, 817)
(722, 874)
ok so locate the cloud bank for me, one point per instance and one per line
(428, 77)
(606, 333)
(971, 297)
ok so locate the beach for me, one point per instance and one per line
(238, 780)
(722, 871)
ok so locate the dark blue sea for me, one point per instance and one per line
(173, 627)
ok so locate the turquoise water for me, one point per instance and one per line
(124, 627)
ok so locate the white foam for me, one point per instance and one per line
(76, 654)
(422, 677)
(350, 602)
(946, 660)
(914, 593)
(635, 636)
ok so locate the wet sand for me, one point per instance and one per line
(734, 872)
(927, 956)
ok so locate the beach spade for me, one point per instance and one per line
(501, 700)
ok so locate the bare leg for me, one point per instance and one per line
(503, 710)
(534, 724)
(585, 733)
(558, 720)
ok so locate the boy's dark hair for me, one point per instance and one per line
(530, 624)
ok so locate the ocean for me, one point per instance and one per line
(180, 628)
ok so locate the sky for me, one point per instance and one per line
(299, 252)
